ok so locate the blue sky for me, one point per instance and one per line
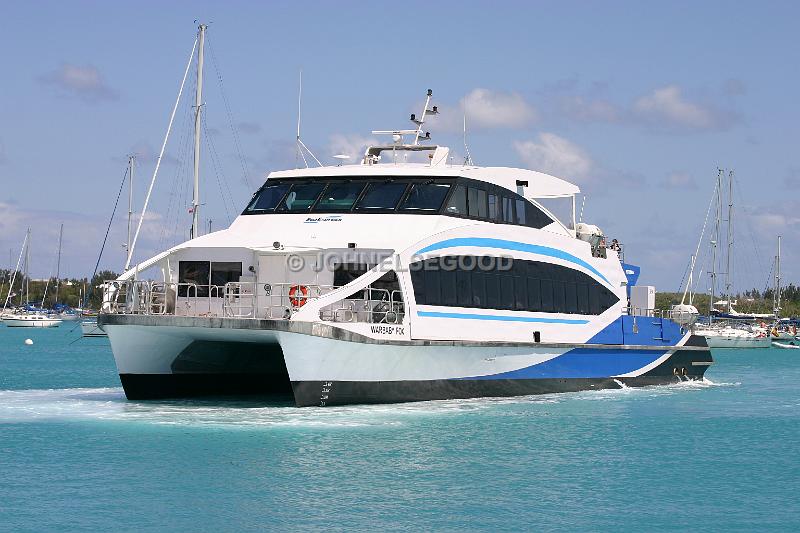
(637, 102)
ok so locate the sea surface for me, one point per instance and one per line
(721, 455)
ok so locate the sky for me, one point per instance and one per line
(639, 103)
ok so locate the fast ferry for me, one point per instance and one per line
(391, 280)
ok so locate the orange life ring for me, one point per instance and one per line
(298, 295)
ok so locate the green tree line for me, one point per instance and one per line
(752, 301)
(69, 290)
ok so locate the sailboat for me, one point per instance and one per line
(725, 335)
(24, 317)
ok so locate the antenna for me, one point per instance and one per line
(468, 158)
(418, 135)
(300, 145)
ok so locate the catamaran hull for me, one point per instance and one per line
(322, 366)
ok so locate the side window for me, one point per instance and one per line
(193, 272)
(533, 286)
(457, 205)
(224, 272)
(426, 196)
(381, 196)
(519, 215)
(508, 210)
(301, 197)
(494, 207)
(339, 197)
(267, 198)
(476, 201)
(535, 217)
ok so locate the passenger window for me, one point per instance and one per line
(508, 210)
(301, 197)
(224, 272)
(534, 295)
(267, 198)
(193, 272)
(464, 288)
(494, 207)
(477, 203)
(457, 205)
(547, 295)
(339, 197)
(535, 217)
(520, 212)
(583, 298)
(520, 293)
(572, 298)
(478, 289)
(425, 197)
(559, 296)
(381, 196)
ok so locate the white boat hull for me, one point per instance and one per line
(316, 364)
(735, 341)
(31, 322)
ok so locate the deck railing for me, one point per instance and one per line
(277, 301)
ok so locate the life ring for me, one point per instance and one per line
(298, 295)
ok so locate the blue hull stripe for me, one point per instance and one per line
(503, 244)
(583, 363)
(500, 318)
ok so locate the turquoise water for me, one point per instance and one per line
(74, 454)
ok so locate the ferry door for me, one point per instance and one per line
(276, 275)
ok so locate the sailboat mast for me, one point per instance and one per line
(131, 159)
(25, 276)
(777, 297)
(714, 243)
(198, 103)
(728, 282)
(58, 261)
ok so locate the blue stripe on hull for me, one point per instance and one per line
(583, 363)
(500, 318)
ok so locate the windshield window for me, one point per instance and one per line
(301, 197)
(382, 196)
(339, 196)
(425, 196)
(267, 198)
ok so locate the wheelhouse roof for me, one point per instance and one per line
(540, 185)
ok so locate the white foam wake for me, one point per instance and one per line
(110, 404)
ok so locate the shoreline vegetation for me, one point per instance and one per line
(69, 290)
(752, 301)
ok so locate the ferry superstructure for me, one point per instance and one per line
(392, 281)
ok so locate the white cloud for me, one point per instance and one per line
(679, 180)
(488, 109)
(556, 155)
(84, 82)
(667, 107)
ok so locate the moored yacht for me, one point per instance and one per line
(392, 281)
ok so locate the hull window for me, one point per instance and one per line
(513, 285)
